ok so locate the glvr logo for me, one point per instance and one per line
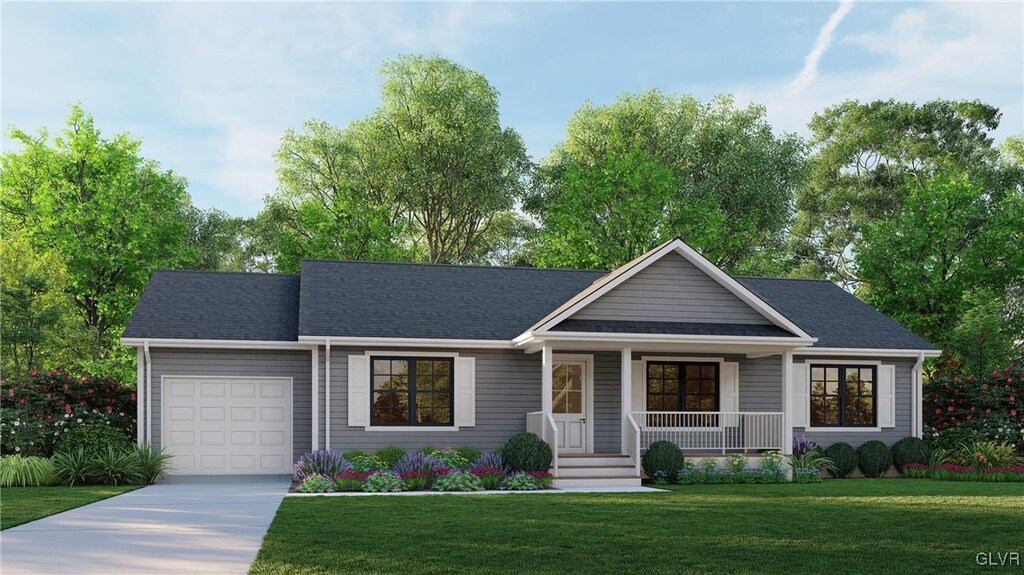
(1010, 558)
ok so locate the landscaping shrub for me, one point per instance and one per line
(915, 470)
(458, 481)
(451, 459)
(909, 450)
(389, 456)
(984, 454)
(526, 452)
(806, 475)
(873, 458)
(367, 463)
(152, 461)
(1015, 473)
(992, 405)
(844, 459)
(72, 468)
(469, 453)
(490, 460)
(544, 479)
(326, 462)
(383, 482)
(490, 477)
(350, 481)
(114, 466)
(954, 438)
(418, 470)
(38, 408)
(520, 481)
(94, 439)
(807, 456)
(316, 484)
(350, 455)
(18, 471)
(662, 457)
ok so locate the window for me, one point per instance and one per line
(567, 388)
(843, 395)
(680, 386)
(411, 391)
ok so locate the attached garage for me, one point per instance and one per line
(227, 425)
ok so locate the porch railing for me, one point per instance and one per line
(711, 430)
(633, 440)
(543, 426)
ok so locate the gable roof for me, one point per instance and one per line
(217, 305)
(833, 315)
(367, 299)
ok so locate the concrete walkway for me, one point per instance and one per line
(184, 525)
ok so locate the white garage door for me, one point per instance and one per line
(215, 425)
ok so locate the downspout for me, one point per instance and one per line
(918, 430)
(149, 393)
(327, 394)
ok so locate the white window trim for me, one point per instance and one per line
(588, 359)
(411, 428)
(845, 362)
(683, 358)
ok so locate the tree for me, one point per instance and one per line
(718, 174)
(112, 215)
(946, 261)
(213, 241)
(422, 178)
(863, 156)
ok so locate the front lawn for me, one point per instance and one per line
(855, 525)
(23, 504)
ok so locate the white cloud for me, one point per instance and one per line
(824, 41)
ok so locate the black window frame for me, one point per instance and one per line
(411, 418)
(842, 367)
(681, 383)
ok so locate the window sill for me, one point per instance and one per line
(845, 429)
(408, 428)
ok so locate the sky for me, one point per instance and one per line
(210, 87)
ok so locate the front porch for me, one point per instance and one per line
(601, 409)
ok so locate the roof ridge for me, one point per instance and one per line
(446, 265)
(227, 272)
(785, 279)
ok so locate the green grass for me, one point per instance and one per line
(23, 504)
(854, 525)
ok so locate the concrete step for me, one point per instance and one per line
(566, 470)
(598, 460)
(568, 482)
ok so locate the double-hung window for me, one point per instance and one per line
(412, 391)
(843, 395)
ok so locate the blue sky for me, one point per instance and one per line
(210, 88)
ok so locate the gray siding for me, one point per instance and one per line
(904, 408)
(607, 417)
(256, 363)
(671, 289)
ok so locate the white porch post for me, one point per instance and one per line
(546, 382)
(315, 418)
(787, 402)
(140, 396)
(627, 394)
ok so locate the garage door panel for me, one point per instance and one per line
(228, 425)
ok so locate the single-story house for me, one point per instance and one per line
(244, 372)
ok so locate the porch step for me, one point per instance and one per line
(596, 470)
(566, 470)
(594, 460)
(570, 482)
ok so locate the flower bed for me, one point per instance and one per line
(446, 470)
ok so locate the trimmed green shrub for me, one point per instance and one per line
(662, 460)
(874, 458)
(18, 471)
(526, 452)
(910, 450)
(115, 466)
(844, 458)
(94, 439)
(152, 461)
(390, 455)
(72, 468)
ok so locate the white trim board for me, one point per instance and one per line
(406, 342)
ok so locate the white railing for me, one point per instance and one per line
(711, 430)
(543, 426)
(633, 436)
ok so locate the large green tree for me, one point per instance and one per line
(652, 166)
(424, 177)
(864, 155)
(112, 215)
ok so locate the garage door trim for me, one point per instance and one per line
(289, 415)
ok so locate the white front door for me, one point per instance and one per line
(570, 398)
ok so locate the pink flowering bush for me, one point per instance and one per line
(991, 406)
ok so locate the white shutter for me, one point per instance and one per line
(801, 392)
(729, 392)
(465, 391)
(639, 387)
(358, 390)
(887, 396)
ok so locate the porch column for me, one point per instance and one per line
(315, 416)
(546, 382)
(787, 402)
(627, 393)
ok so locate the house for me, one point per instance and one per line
(242, 373)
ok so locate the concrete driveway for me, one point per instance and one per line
(183, 525)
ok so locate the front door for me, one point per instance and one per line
(570, 398)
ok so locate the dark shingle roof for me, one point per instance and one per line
(671, 327)
(366, 299)
(217, 305)
(833, 315)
